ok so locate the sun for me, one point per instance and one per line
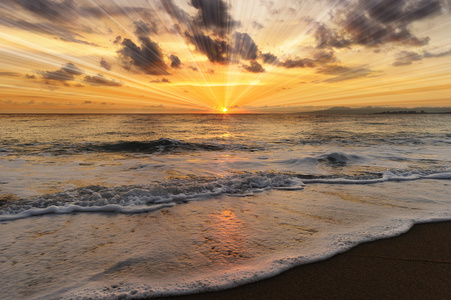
(224, 110)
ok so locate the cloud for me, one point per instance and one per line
(61, 32)
(178, 13)
(244, 46)
(9, 74)
(65, 73)
(70, 68)
(99, 79)
(257, 25)
(441, 54)
(404, 58)
(297, 63)
(143, 29)
(105, 11)
(104, 64)
(320, 57)
(328, 38)
(163, 80)
(343, 73)
(375, 22)
(58, 75)
(389, 11)
(148, 58)
(175, 61)
(214, 15)
(323, 56)
(270, 7)
(48, 9)
(216, 50)
(269, 58)
(254, 67)
(117, 40)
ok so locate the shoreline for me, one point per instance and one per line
(415, 265)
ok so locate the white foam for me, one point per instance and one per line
(133, 199)
(129, 200)
(70, 208)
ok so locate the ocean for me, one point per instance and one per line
(136, 206)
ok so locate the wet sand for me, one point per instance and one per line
(415, 265)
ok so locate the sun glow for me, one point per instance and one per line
(224, 110)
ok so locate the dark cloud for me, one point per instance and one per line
(148, 57)
(104, 64)
(254, 67)
(441, 54)
(70, 68)
(324, 57)
(177, 13)
(193, 68)
(297, 63)
(105, 11)
(214, 14)
(343, 73)
(99, 79)
(269, 58)
(65, 73)
(117, 40)
(404, 58)
(320, 57)
(216, 50)
(54, 30)
(48, 9)
(163, 80)
(58, 75)
(270, 7)
(375, 22)
(329, 38)
(394, 11)
(30, 76)
(244, 46)
(257, 25)
(368, 32)
(175, 61)
(9, 74)
(144, 29)
(88, 29)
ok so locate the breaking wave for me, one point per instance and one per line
(146, 198)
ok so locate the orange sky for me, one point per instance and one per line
(203, 55)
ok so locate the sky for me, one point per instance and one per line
(201, 56)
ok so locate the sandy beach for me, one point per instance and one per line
(415, 265)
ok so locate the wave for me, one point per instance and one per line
(137, 199)
(162, 145)
(372, 140)
(147, 198)
(334, 159)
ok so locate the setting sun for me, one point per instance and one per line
(224, 110)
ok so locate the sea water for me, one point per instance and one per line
(135, 206)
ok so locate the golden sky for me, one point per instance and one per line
(181, 56)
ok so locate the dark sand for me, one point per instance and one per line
(415, 265)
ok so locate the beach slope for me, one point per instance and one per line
(415, 265)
